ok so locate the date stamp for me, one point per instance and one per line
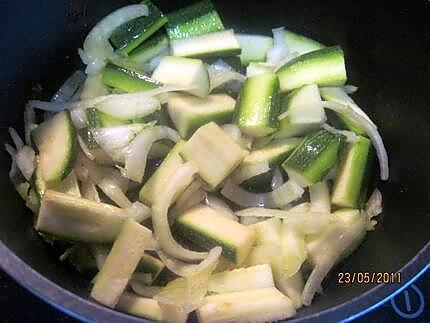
(347, 278)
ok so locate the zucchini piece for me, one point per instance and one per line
(189, 113)
(120, 263)
(254, 48)
(196, 19)
(274, 153)
(149, 49)
(304, 112)
(258, 105)
(187, 72)
(150, 265)
(127, 80)
(338, 95)
(156, 183)
(56, 141)
(128, 36)
(221, 43)
(214, 153)
(311, 161)
(301, 44)
(348, 184)
(69, 185)
(324, 67)
(236, 280)
(72, 218)
(254, 69)
(256, 305)
(207, 228)
(147, 308)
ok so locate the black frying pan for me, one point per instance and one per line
(387, 44)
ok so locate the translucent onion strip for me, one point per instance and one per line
(220, 72)
(97, 48)
(183, 177)
(285, 194)
(350, 136)
(137, 152)
(69, 88)
(371, 131)
(280, 48)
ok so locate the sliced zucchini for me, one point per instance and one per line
(220, 43)
(254, 48)
(258, 105)
(189, 113)
(254, 69)
(311, 161)
(156, 183)
(131, 34)
(187, 72)
(303, 112)
(99, 119)
(324, 67)
(338, 95)
(56, 141)
(348, 183)
(274, 153)
(214, 153)
(120, 263)
(256, 305)
(69, 185)
(72, 218)
(127, 80)
(150, 265)
(236, 280)
(207, 228)
(147, 308)
(196, 19)
(301, 44)
(149, 49)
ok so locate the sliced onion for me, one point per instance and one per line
(192, 196)
(371, 131)
(280, 48)
(138, 211)
(350, 89)
(220, 72)
(373, 207)
(100, 253)
(114, 193)
(137, 151)
(89, 190)
(94, 87)
(26, 160)
(69, 87)
(319, 194)
(183, 177)
(29, 123)
(184, 269)
(187, 293)
(85, 148)
(17, 141)
(350, 136)
(277, 179)
(97, 48)
(285, 60)
(335, 240)
(220, 206)
(134, 107)
(286, 193)
(234, 133)
(114, 140)
(247, 171)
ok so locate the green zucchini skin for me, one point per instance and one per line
(134, 32)
(301, 44)
(311, 161)
(258, 105)
(150, 48)
(196, 19)
(324, 67)
(127, 80)
(351, 176)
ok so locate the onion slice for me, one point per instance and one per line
(371, 131)
(280, 48)
(177, 183)
(220, 72)
(97, 48)
(350, 136)
(69, 87)
(26, 160)
(137, 152)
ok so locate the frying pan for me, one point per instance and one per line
(386, 44)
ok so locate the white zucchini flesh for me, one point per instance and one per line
(257, 305)
(253, 277)
(254, 48)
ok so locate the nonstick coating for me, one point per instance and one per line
(386, 44)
